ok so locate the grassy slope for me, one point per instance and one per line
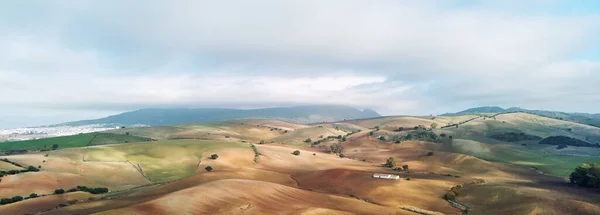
(79, 140)
(163, 160)
(545, 158)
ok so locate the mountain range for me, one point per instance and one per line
(297, 114)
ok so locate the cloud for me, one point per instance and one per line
(398, 57)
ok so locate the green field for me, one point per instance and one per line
(79, 140)
(545, 158)
(162, 160)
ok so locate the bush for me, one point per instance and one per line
(442, 135)
(586, 175)
(33, 195)
(55, 146)
(72, 190)
(405, 168)
(208, 168)
(400, 129)
(397, 142)
(308, 140)
(262, 142)
(382, 138)
(450, 195)
(342, 155)
(214, 156)
(59, 191)
(297, 152)
(371, 133)
(32, 169)
(391, 162)
(429, 153)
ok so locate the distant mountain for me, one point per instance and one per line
(298, 114)
(583, 118)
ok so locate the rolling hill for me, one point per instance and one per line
(583, 118)
(298, 114)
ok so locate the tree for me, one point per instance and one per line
(382, 138)
(208, 168)
(54, 146)
(429, 153)
(400, 129)
(59, 191)
(297, 152)
(308, 140)
(32, 169)
(371, 133)
(450, 195)
(391, 162)
(442, 135)
(405, 168)
(33, 195)
(262, 142)
(342, 155)
(336, 148)
(586, 175)
(343, 139)
(214, 156)
(433, 125)
(126, 133)
(17, 198)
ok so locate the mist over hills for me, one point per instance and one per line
(297, 114)
(584, 118)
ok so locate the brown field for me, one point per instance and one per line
(173, 180)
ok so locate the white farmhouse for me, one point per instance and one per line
(386, 176)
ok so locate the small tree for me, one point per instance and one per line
(54, 146)
(433, 125)
(405, 168)
(371, 133)
(262, 142)
(391, 162)
(429, 153)
(342, 155)
(126, 133)
(208, 168)
(382, 138)
(59, 191)
(214, 156)
(33, 195)
(297, 152)
(308, 140)
(343, 139)
(442, 135)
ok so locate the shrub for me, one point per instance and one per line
(33, 195)
(391, 162)
(72, 190)
(208, 168)
(314, 154)
(32, 169)
(450, 195)
(397, 142)
(400, 129)
(262, 142)
(214, 156)
(308, 140)
(55, 146)
(342, 155)
(586, 175)
(59, 191)
(442, 135)
(429, 153)
(371, 133)
(297, 152)
(382, 138)
(405, 167)
(408, 179)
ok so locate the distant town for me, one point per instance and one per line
(16, 134)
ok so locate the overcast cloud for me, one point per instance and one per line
(70, 60)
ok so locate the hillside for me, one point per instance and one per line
(298, 114)
(583, 118)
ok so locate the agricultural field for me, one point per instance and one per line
(74, 141)
(284, 174)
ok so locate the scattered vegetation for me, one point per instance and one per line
(336, 148)
(14, 199)
(514, 137)
(391, 163)
(256, 153)
(214, 156)
(297, 152)
(208, 168)
(586, 175)
(98, 190)
(453, 193)
(342, 156)
(308, 140)
(422, 135)
(559, 140)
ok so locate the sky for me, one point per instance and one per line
(71, 60)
